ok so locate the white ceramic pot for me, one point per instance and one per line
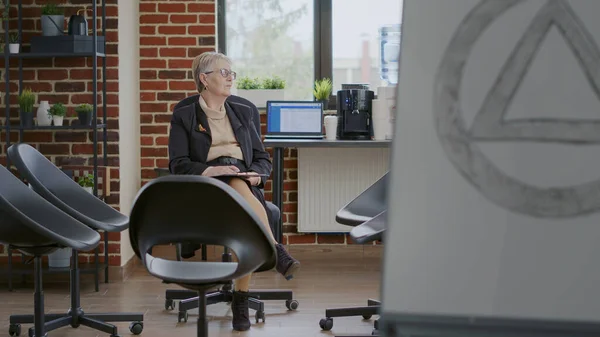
(58, 120)
(89, 189)
(13, 48)
(260, 96)
(61, 258)
(43, 119)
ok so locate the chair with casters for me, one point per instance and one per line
(223, 219)
(188, 299)
(367, 214)
(35, 227)
(57, 188)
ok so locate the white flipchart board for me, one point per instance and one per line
(494, 207)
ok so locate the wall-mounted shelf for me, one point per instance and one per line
(95, 126)
(52, 55)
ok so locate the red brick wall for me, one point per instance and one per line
(172, 33)
(69, 81)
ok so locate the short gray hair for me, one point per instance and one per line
(203, 63)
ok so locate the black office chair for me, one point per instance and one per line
(55, 186)
(188, 300)
(35, 227)
(367, 214)
(205, 211)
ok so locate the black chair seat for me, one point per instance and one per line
(371, 230)
(204, 211)
(191, 273)
(366, 205)
(367, 214)
(62, 191)
(66, 195)
(32, 225)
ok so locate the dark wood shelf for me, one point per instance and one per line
(51, 127)
(51, 55)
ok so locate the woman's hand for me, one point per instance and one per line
(214, 171)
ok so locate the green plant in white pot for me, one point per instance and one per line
(87, 182)
(13, 43)
(259, 91)
(58, 112)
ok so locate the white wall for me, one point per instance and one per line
(129, 113)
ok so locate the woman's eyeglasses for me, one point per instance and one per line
(225, 73)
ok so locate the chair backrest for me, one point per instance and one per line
(203, 210)
(28, 221)
(233, 99)
(368, 204)
(57, 187)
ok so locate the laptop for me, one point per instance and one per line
(294, 119)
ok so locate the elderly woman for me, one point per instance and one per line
(212, 137)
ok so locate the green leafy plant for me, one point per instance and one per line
(322, 89)
(85, 107)
(26, 100)
(274, 82)
(248, 83)
(52, 9)
(13, 38)
(86, 180)
(57, 109)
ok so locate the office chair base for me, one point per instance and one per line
(367, 312)
(189, 300)
(74, 316)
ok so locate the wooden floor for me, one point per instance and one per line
(331, 276)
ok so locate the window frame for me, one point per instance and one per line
(323, 41)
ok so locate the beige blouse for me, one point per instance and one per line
(224, 143)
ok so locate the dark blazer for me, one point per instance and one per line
(189, 143)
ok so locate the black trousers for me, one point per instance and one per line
(188, 248)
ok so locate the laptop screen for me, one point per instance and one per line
(291, 118)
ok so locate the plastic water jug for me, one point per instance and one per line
(389, 35)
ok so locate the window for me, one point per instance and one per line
(304, 40)
(266, 38)
(357, 51)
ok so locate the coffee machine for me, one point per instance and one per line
(354, 104)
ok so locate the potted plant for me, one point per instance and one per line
(13, 43)
(259, 91)
(87, 182)
(58, 112)
(322, 91)
(53, 20)
(26, 102)
(84, 113)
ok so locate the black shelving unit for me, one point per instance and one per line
(94, 54)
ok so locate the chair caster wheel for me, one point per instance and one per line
(260, 315)
(292, 304)
(367, 316)
(136, 327)
(169, 304)
(326, 323)
(115, 335)
(14, 329)
(183, 316)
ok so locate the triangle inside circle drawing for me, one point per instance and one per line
(491, 124)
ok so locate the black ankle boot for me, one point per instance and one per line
(286, 264)
(239, 308)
